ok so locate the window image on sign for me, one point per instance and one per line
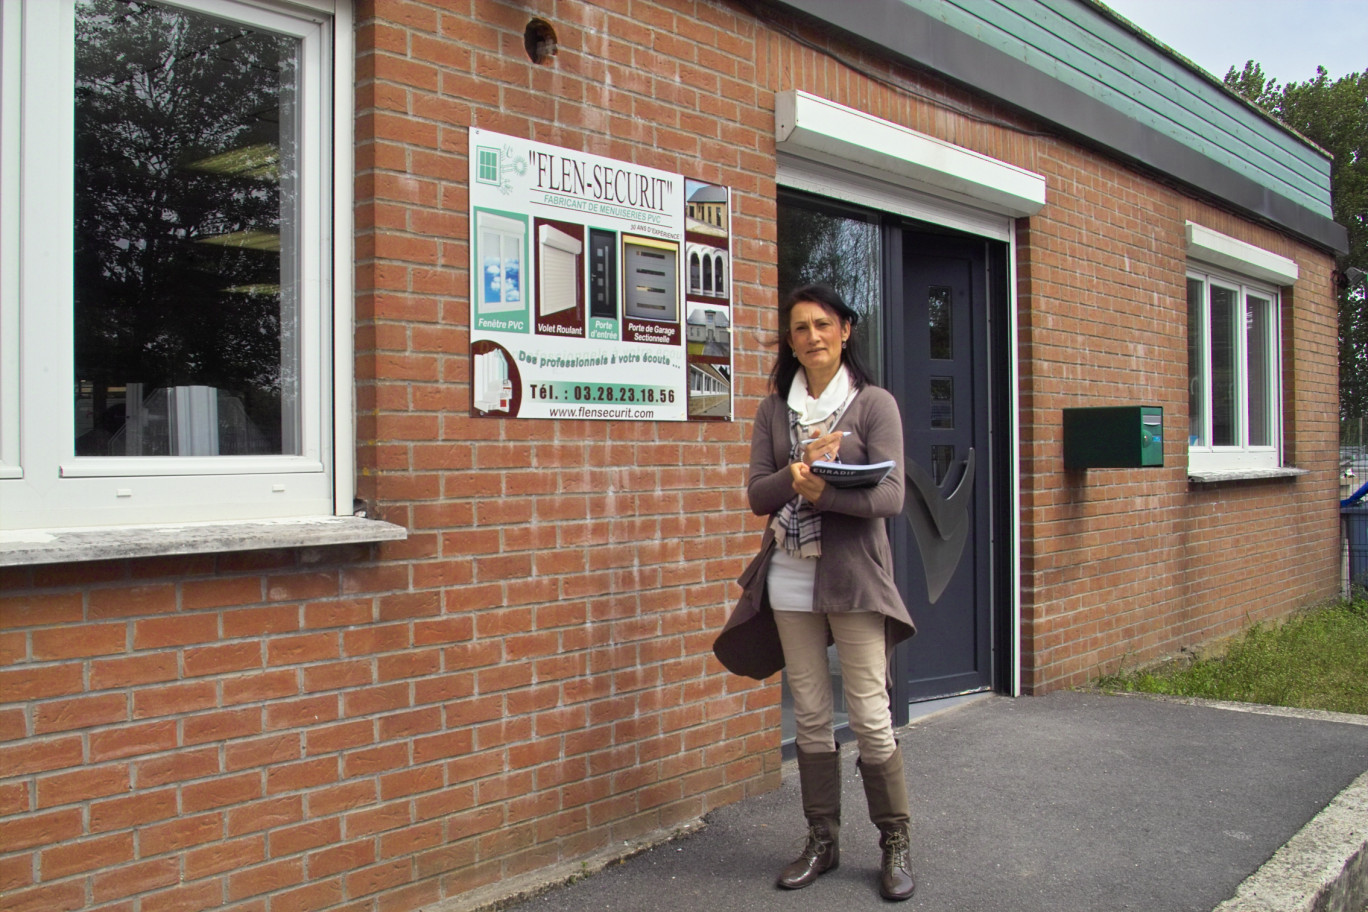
(496, 385)
(503, 241)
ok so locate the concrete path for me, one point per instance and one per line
(1071, 802)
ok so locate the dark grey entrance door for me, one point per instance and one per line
(925, 298)
(938, 361)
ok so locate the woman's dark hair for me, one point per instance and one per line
(787, 365)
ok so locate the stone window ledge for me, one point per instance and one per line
(1213, 476)
(55, 546)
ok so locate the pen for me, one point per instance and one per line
(827, 457)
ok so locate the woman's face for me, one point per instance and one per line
(816, 335)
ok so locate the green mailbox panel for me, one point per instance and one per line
(1114, 437)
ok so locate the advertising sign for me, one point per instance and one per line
(600, 289)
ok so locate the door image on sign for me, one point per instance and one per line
(603, 274)
(650, 279)
(558, 281)
(503, 241)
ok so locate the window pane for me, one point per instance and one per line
(843, 252)
(942, 457)
(939, 299)
(1196, 292)
(1225, 423)
(1259, 345)
(942, 402)
(186, 246)
(1196, 364)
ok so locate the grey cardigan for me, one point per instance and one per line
(855, 570)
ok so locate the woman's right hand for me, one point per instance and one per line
(805, 483)
(822, 449)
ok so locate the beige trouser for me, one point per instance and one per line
(860, 646)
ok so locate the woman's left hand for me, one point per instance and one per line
(808, 485)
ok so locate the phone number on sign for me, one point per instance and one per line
(570, 392)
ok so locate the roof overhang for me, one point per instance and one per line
(906, 33)
(817, 129)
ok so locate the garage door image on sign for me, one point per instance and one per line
(650, 279)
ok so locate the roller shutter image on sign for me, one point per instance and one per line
(560, 269)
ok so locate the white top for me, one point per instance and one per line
(791, 579)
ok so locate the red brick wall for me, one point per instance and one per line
(527, 680)
(1122, 567)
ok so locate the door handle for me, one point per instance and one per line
(939, 521)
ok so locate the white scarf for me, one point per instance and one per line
(813, 411)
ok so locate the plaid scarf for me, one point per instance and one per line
(798, 524)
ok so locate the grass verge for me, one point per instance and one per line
(1318, 659)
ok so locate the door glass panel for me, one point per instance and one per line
(942, 457)
(938, 307)
(943, 403)
(1196, 292)
(1225, 429)
(186, 234)
(840, 250)
(1259, 345)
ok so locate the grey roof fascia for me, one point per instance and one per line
(923, 41)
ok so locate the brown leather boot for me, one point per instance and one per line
(886, 790)
(895, 879)
(819, 779)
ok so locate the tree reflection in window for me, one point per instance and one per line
(842, 251)
(939, 304)
(186, 247)
(1225, 369)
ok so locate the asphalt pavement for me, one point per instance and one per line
(1070, 802)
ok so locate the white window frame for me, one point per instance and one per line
(43, 485)
(1249, 272)
(10, 21)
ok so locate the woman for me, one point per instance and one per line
(824, 573)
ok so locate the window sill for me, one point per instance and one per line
(58, 546)
(1216, 476)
